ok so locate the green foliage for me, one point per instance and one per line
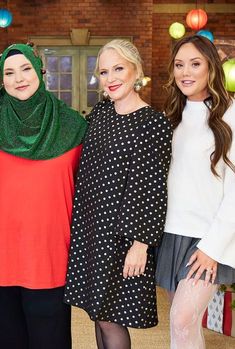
(222, 288)
(233, 287)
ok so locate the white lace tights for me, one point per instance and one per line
(188, 306)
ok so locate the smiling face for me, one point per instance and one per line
(19, 77)
(117, 75)
(191, 72)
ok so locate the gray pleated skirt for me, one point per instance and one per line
(172, 257)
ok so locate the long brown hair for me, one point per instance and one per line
(218, 102)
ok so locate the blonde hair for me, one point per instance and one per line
(126, 50)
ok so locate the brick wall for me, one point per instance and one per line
(222, 26)
(102, 17)
(115, 18)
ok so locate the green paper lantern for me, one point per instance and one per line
(176, 30)
(229, 71)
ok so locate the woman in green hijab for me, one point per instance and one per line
(40, 147)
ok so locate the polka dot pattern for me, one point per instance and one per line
(120, 196)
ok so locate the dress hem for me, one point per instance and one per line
(118, 322)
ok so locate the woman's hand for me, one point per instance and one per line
(135, 259)
(201, 262)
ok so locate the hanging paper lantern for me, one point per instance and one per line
(207, 34)
(176, 30)
(229, 71)
(196, 19)
(5, 18)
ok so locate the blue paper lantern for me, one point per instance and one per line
(5, 18)
(207, 34)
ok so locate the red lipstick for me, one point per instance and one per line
(114, 87)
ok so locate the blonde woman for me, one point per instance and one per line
(120, 203)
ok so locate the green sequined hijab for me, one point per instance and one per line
(41, 127)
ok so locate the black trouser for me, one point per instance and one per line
(34, 319)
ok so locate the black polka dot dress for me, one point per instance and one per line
(120, 196)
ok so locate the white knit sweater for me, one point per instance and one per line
(200, 204)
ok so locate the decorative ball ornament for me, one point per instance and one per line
(196, 19)
(176, 30)
(207, 34)
(5, 18)
(229, 72)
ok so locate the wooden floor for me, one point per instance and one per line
(153, 338)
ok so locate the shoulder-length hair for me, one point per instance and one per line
(218, 102)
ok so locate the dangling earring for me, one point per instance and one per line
(138, 85)
(141, 82)
(105, 95)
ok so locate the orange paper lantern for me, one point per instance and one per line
(196, 19)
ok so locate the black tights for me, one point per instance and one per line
(110, 335)
(34, 319)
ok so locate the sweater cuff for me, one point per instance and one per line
(219, 242)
